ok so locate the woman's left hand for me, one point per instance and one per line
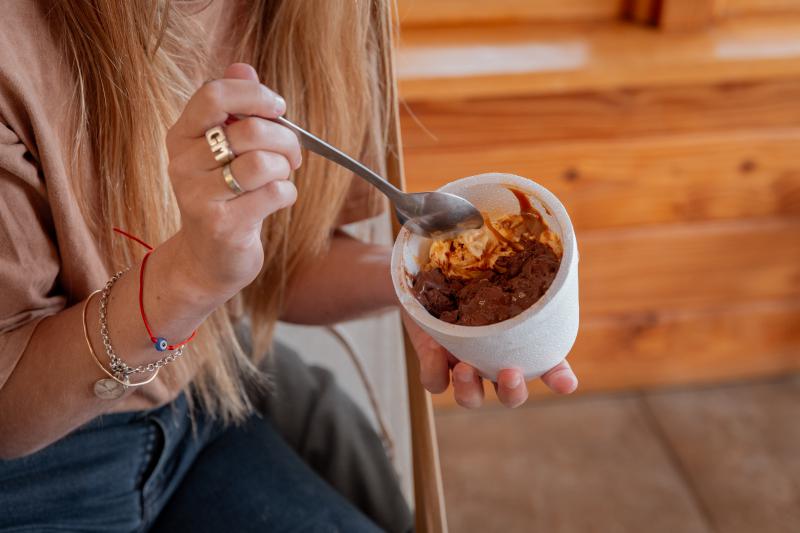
(435, 370)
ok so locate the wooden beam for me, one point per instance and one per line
(657, 348)
(689, 267)
(438, 64)
(686, 15)
(429, 503)
(641, 181)
(454, 12)
(736, 8)
(617, 114)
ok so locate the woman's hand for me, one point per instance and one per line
(436, 363)
(220, 236)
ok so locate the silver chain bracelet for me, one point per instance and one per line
(119, 367)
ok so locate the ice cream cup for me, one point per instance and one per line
(535, 340)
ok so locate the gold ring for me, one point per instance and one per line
(220, 148)
(230, 181)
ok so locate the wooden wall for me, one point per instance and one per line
(677, 155)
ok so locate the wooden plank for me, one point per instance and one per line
(660, 348)
(686, 15)
(470, 124)
(429, 503)
(562, 467)
(734, 8)
(505, 60)
(447, 12)
(648, 180)
(689, 267)
(739, 448)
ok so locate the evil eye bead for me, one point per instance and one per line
(161, 344)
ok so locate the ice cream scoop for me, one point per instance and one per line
(491, 274)
(471, 253)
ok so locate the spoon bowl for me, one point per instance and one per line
(438, 215)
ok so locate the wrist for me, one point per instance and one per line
(170, 314)
(177, 279)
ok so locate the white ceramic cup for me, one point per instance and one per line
(537, 339)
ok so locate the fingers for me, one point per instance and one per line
(434, 359)
(561, 379)
(511, 388)
(467, 386)
(250, 170)
(266, 152)
(434, 370)
(255, 206)
(241, 71)
(217, 99)
(256, 169)
(243, 136)
(255, 133)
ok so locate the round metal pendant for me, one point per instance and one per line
(108, 389)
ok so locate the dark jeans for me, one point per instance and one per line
(309, 461)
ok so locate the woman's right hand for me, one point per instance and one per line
(220, 237)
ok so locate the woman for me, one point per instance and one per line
(116, 114)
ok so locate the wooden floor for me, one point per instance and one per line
(722, 459)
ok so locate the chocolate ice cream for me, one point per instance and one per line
(489, 275)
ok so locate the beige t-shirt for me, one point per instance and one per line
(49, 259)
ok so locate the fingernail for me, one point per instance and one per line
(567, 381)
(514, 381)
(464, 377)
(280, 105)
(471, 403)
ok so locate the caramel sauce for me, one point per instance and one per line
(495, 232)
(524, 202)
(465, 257)
(525, 209)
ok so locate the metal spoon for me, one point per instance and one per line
(430, 214)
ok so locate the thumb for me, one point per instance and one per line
(241, 71)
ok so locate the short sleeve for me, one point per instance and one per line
(29, 261)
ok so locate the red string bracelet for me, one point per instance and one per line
(160, 343)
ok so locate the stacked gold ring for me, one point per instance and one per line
(220, 147)
(221, 150)
(230, 181)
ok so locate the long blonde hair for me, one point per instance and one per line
(135, 64)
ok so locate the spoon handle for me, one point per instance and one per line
(317, 145)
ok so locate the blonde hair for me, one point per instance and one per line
(135, 65)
